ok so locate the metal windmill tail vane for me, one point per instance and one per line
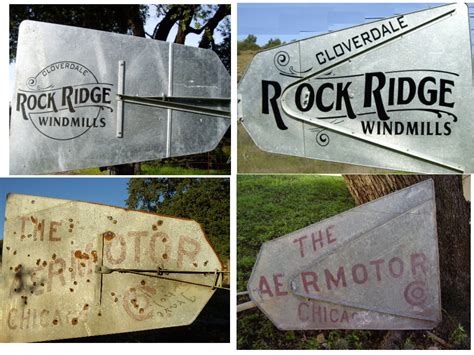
(74, 269)
(375, 266)
(392, 93)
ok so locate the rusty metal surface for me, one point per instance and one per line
(372, 267)
(65, 112)
(52, 252)
(357, 96)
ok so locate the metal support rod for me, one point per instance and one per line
(170, 93)
(244, 306)
(120, 91)
(174, 106)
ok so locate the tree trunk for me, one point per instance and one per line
(211, 25)
(453, 222)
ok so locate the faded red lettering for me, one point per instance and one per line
(264, 287)
(182, 251)
(418, 260)
(305, 275)
(301, 312)
(317, 240)
(278, 284)
(123, 250)
(53, 230)
(138, 236)
(43, 320)
(340, 277)
(400, 267)
(10, 322)
(165, 240)
(52, 273)
(300, 241)
(329, 234)
(355, 277)
(336, 317)
(377, 267)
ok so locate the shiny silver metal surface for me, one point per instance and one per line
(65, 110)
(393, 94)
(375, 266)
(74, 269)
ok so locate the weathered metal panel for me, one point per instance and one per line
(64, 110)
(372, 267)
(393, 94)
(53, 288)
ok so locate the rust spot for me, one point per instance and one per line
(70, 219)
(70, 231)
(141, 310)
(60, 271)
(71, 289)
(75, 282)
(112, 294)
(154, 227)
(22, 237)
(114, 221)
(132, 289)
(109, 235)
(39, 226)
(33, 219)
(74, 321)
(71, 226)
(94, 256)
(54, 256)
(14, 233)
(195, 264)
(160, 222)
(55, 321)
(165, 256)
(86, 307)
(83, 264)
(77, 254)
(71, 269)
(45, 263)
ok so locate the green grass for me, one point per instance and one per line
(269, 207)
(148, 169)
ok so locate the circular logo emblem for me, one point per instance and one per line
(65, 100)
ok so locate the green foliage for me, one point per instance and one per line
(273, 43)
(458, 336)
(269, 207)
(248, 44)
(203, 200)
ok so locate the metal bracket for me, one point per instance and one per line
(198, 105)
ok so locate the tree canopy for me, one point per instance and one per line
(204, 200)
(202, 20)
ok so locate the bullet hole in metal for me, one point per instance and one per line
(71, 289)
(160, 222)
(38, 261)
(115, 299)
(72, 242)
(70, 219)
(55, 321)
(205, 263)
(112, 294)
(14, 253)
(142, 282)
(60, 271)
(54, 256)
(110, 218)
(114, 221)
(141, 310)
(109, 235)
(165, 256)
(45, 263)
(71, 226)
(86, 307)
(164, 240)
(8, 248)
(88, 280)
(74, 321)
(75, 282)
(195, 264)
(71, 269)
(94, 256)
(83, 264)
(33, 219)
(70, 230)
(32, 201)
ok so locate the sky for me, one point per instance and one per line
(297, 21)
(109, 191)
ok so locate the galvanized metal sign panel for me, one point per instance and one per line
(372, 267)
(394, 94)
(66, 112)
(73, 269)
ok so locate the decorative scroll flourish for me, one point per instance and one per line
(282, 62)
